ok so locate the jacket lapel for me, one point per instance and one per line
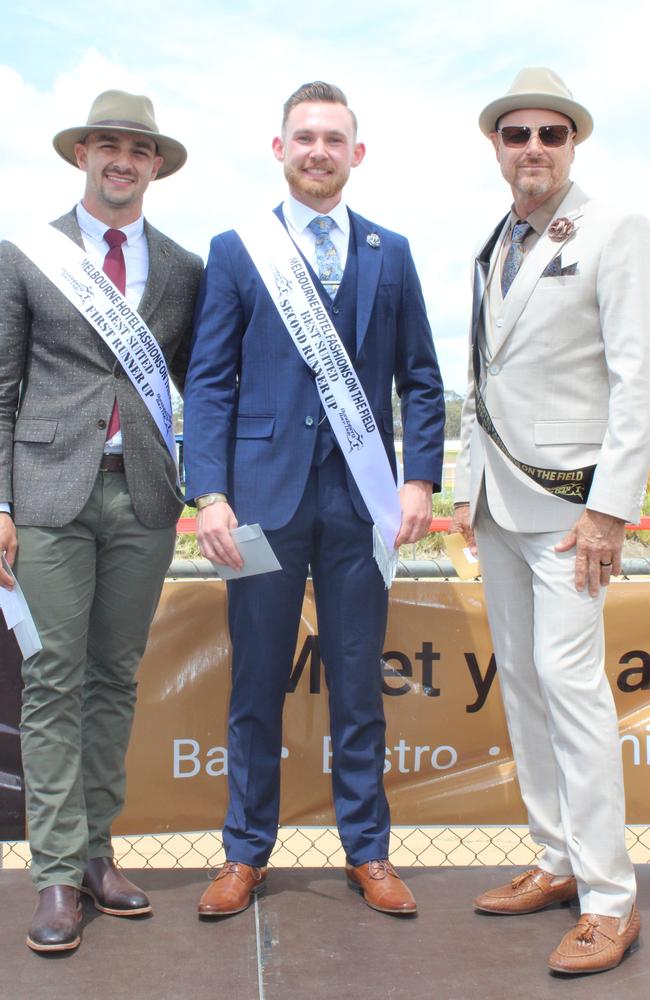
(160, 265)
(369, 261)
(483, 267)
(160, 259)
(534, 265)
(68, 224)
(492, 248)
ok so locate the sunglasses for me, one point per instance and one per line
(520, 135)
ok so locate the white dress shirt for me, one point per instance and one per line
(136, 260)
(298, 216)
(134, 248)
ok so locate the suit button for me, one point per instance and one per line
(117, 372)
(101, 424)
(309, 421)
(494, 369)
(335, 310)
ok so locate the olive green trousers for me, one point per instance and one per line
(92, 587)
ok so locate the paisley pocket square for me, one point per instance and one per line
(555, 269)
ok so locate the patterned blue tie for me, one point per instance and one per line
(515, 255)
(329, 265)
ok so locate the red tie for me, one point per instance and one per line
(115, 268)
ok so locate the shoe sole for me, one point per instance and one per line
(380, 909)
(69, 946)
(111, 910)
(603, 968)
(258, 891)
(517, 913)
(589, 972)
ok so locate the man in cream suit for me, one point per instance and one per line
(92, 488)
(555, 453)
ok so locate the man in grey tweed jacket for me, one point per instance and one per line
(88, 507)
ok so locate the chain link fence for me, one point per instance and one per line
(320, 847)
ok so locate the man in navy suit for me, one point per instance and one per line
(259, 449)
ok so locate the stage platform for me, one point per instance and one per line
(310, 938)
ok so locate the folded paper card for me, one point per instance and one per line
(254, 549)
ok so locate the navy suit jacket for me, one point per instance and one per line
(251, 403)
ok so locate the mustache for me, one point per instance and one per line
(534, 161)
(120, 172)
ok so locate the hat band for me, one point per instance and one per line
(121, 124)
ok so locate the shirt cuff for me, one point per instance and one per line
(5, 508)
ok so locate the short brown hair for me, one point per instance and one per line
(317, 91)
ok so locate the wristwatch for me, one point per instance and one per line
(209, 498)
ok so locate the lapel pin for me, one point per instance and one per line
(560, 230)
(373, 240)
(165, 249)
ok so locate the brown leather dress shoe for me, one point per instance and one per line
(111, 891)
(527, 893)
(232, 890)
(596, 943)
(56, 921)
(381, 887)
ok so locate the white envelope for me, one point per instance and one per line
(18, 616)
(255, 550)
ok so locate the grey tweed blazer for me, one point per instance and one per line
(58, 382)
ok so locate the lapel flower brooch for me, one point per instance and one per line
(560, 230)
(373, 240)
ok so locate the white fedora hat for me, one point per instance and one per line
(538, 87)
(117, 111)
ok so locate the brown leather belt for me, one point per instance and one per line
(111, 463)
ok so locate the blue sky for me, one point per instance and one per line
(416, 73)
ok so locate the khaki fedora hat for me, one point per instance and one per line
(117, 111)
(538, 87)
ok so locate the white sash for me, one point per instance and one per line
(289, 284)
(119, 325)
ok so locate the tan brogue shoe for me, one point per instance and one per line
(111, 891)
(527, 893)
(232, 890)
(596, 943)
(56, 921)
(381, 887)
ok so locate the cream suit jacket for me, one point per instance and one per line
(567, 378)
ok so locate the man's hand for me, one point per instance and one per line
(598, 540)
(213, 526)
(415, 501)
(461, 522)
(8, 547)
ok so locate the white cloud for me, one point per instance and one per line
(417, 77)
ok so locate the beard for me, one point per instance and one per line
(116, 197)
(326, 187)
(535, 186)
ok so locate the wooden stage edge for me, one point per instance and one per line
(310, 938)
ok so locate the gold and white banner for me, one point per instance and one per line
(448, 757)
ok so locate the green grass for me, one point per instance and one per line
(430, 547)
